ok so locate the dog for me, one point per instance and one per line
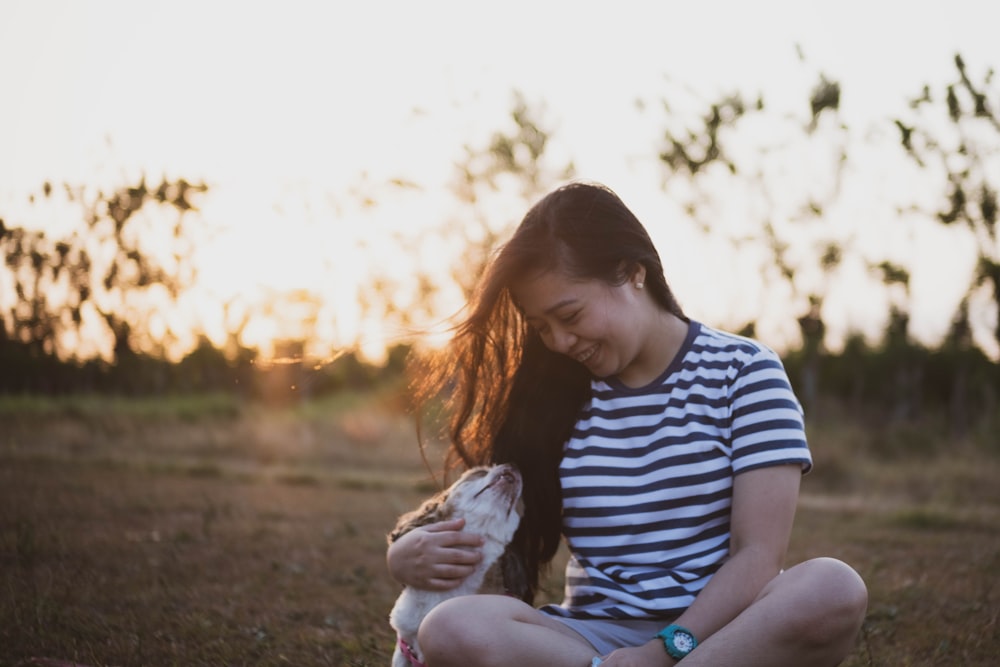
(489, 499)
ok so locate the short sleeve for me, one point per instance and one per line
(767, 426)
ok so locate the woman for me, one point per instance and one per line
(667, 453)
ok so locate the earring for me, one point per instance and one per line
(638, 285)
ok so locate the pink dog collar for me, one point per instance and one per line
(408, 653)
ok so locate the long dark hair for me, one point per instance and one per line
(511, 399)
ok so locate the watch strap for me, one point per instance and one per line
(677, 647)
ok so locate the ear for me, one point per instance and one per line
(632, 273)
(433, 510)
(515, 575)
(637, 276)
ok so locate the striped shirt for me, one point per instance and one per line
(647, 475)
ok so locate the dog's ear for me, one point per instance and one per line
(433, 510)
(515, 575)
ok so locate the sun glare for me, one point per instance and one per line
(328, 136)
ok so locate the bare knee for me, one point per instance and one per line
(834, 604)
(441, 633)
(457, 632)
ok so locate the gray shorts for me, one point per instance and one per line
(607, 635)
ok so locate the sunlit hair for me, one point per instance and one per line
(511, 399)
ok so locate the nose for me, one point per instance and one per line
(508, 474)
(561, 340)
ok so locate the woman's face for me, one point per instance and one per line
(599, 325)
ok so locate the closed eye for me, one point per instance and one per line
(538, 325)
(571, 318)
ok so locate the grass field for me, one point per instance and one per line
(205, 532)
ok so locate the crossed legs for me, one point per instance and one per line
(808, 615)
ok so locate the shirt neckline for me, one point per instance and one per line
(694, 328)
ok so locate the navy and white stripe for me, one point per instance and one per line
(647, 476)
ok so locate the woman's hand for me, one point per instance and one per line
(650, 654)
(435, 557)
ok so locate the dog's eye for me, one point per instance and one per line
(477, 474)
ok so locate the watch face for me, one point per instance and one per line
(683, 641)
(678, 641)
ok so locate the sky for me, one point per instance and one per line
(287, 109)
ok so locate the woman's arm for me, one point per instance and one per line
(434, 557)
(763, 511)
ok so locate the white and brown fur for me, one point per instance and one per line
(489, 499)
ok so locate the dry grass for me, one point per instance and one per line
(251, 537)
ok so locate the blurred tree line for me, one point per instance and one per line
(131, 258)
(952, 136)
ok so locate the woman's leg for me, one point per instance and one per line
(807, 615)
(496, 631)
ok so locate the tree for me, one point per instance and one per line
(900, 354)
(954, 132)
(105, 277)
(738, 156)
(493, 184)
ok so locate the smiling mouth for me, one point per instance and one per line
(586, 354)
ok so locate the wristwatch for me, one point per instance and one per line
(678, 641)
